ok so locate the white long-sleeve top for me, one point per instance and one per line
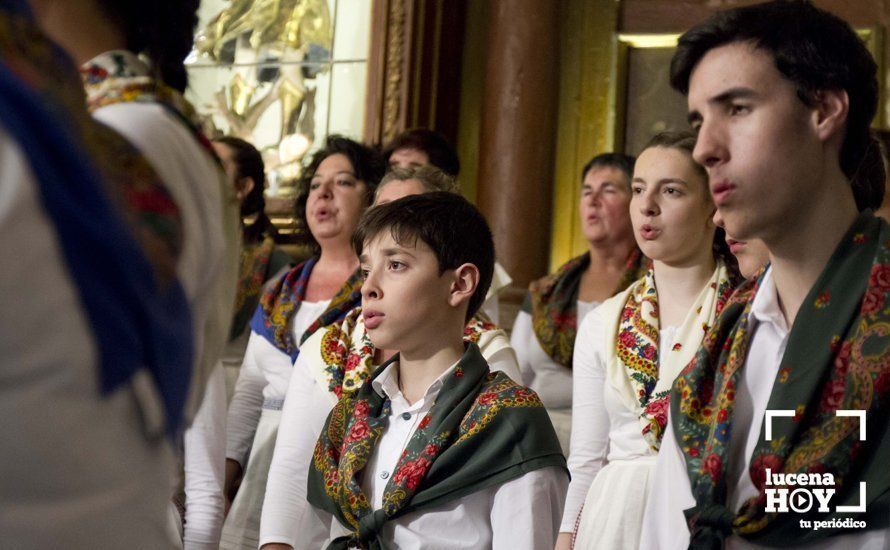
(205, 458)
(664, 524)
(265, 375)
(78, 471)
(287, 517)
(208, 264)
(515, 515)
(550, 380)
(604, 428)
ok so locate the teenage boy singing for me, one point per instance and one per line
(435, 451)
(782, 95)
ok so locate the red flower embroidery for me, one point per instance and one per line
(352, 361)
(713, 466)
(411, 473)
(823, 300)
(832, 396)
(487, 398)
(759, 466)
(650, 353)
(627, 339)
(361, 410)
(873, 302)
(658, 410)
(458, 372)
(431, 449)
(424, 423)
(859, 238)
(722, 415)
(626, 313)
(677, 347)
(357, 432)
(880, 276)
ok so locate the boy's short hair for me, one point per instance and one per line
(453, 228)
(430, 177)
(441, 154)
(812, 48)
(620, 161)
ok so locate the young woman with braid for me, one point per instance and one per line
(630, 349)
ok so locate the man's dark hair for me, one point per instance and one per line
(453, 228)
(441, 154)
(366, 162)
(812, 48)
(622, 162)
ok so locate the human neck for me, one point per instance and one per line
(81, 28)
(678, 286)
(608, 255)
(801, 248)
(337, 256)
(419, 368)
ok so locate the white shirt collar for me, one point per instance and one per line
(766, 308)
(387, 384)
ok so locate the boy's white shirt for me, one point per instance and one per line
(664, 524)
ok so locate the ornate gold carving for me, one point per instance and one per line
(396, 36)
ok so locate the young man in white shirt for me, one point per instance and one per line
(435, 451)
(782, 95)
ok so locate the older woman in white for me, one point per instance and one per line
(630, 349)
(544, 331)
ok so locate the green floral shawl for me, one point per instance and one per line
(483, 430)
(837, 358)
(552, 302)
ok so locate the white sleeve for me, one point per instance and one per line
(205, 458)
(492, 307)
(525, 511)
(520, 339)
(590, 425)
(664, 523)
(287, 516)
(247, 402)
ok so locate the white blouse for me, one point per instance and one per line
(551, 381)
(604, 428)
(264, 376)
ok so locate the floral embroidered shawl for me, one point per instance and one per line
(118, 227)
(483, 430)
(837, 358)
(633, 367)
(274, 316)
(119, 76)
(552, 302)
(342, 355)
(259, 262)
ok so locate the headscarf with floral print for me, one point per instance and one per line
(837, 358)
(482, 430)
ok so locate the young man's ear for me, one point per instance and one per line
(463, 285)
(832, 109)
(243, 187)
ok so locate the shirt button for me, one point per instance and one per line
(384, 475)
(406, 416)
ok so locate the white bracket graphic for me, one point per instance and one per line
(769, 421)
(853, 412)
(861, 507)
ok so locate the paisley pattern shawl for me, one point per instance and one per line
(838, 357)
(119, 76)
(646, 384)
(483, 430)
(553, 303)
(259, 262)
(274, 316)
(118, 226)
(345, 357)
